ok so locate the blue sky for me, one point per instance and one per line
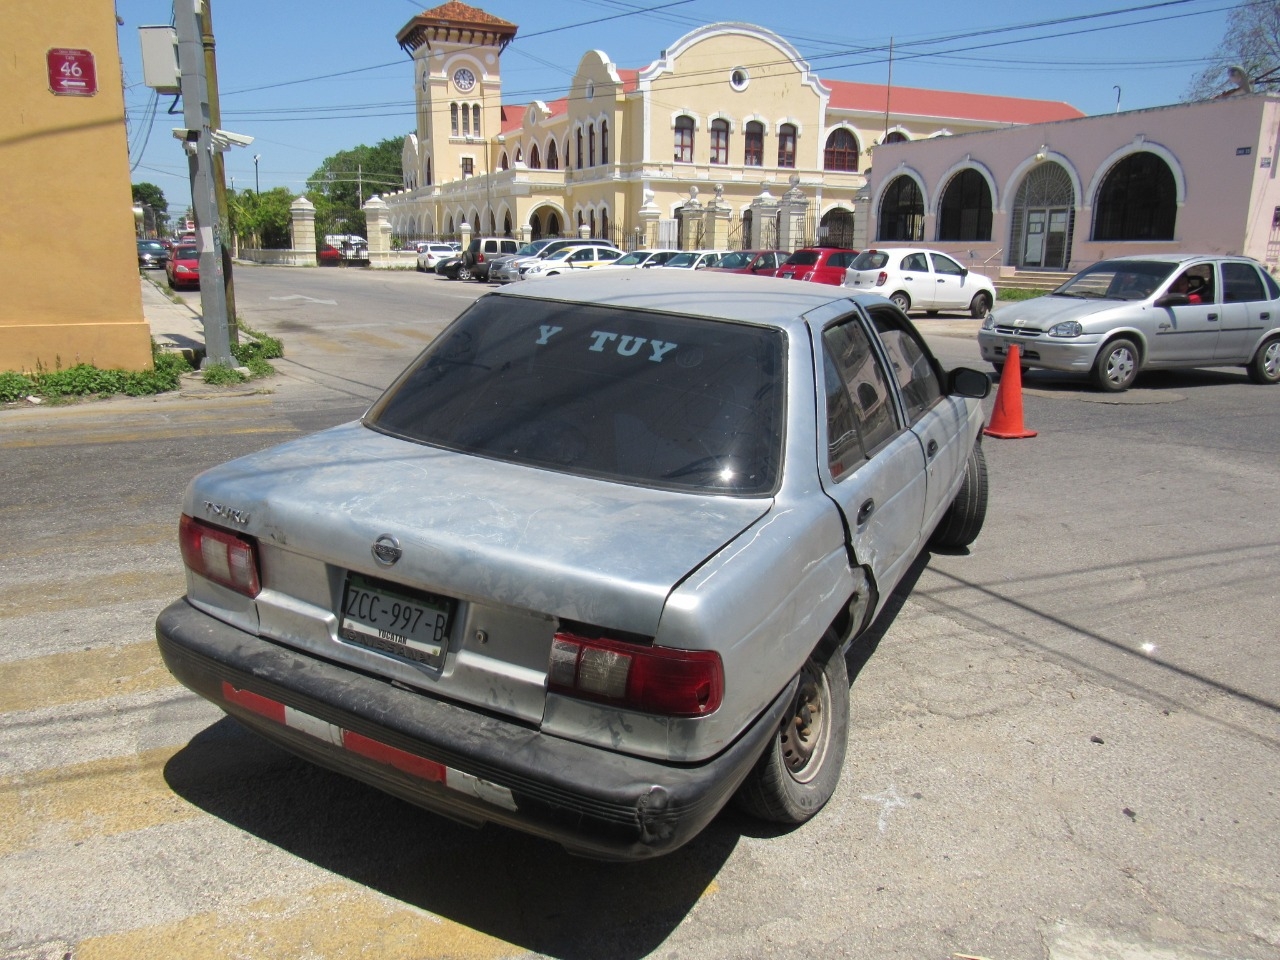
(310, 79)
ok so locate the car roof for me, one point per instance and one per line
(718, 296)
(1177, 257)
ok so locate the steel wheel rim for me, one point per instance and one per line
(1271, 361)
(805, 733)
(1120, 365)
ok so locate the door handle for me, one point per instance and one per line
(1265, 316)
(865, 511)
(1213, 316)
(931, 450)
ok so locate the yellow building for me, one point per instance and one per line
(728, 138)
(65, 159)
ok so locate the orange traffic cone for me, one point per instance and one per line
(1006, 418)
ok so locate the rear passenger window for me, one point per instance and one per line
(860, 414)
(921, 386)
(1241, 283)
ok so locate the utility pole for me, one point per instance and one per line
(219, 166)
(198, 141)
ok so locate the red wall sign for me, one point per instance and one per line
(72, 73)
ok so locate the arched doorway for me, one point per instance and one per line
(1043, 218)
(837, 227)
(901, 211)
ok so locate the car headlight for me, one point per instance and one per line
(988, 322)
(1067, 328)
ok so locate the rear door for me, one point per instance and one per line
(916, 279)
(874, 466)
(949, 292)
(1247, 310)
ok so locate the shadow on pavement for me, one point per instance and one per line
(520, 889)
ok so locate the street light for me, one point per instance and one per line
(257, 188)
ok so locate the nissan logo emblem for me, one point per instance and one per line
(386, 550)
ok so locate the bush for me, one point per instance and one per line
(1014, 293)
(86, 380)
(14, 386)
(220, 375)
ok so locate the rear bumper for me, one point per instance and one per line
(451, 759)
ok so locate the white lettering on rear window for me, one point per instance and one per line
(547, 333)
(629, 346)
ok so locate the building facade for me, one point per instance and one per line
(65, 159)
(698, 148)
(1195, 177)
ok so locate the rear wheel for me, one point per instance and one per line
(1265, 365)
(1117, 366)
(901, 301)
(799, 769)
(962, 522)
(979, 305)
(464, 273)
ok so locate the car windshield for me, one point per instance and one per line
(633, 259)
(869, 260)
(1117, 280)
(682, 260)
(152, 245)
(652, 399)
(529, 249)
(736, 260)
(803, 258)
(186, 253)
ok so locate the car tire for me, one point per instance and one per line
(800, 768)
(962, 522)
(1264, 368)
(931, 313)
(464, 273)
(1116, 366)
(901, 301)
(979, 305)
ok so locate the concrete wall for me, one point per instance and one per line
(66, 185)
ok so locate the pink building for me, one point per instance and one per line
(1195, 177)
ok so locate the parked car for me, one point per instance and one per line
(328, 255)
(453, 268)
(152, 254)
(580, 257)
(480, 251)
(183, 266)
(817, 264)
(620, 531)
(430, 254)
(638, 259)
(761, 263)
(509, 269)
(1119, 317)
(918, 279)
(692, 260)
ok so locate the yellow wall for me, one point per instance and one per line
(69, 289)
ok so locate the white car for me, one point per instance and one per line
(695, 259)
(640, 258)
(919, 279)
(570, 258)
(430, 254)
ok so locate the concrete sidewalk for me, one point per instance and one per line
(174, 326)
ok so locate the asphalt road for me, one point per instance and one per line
(1065, 741)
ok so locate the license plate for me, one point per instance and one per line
(393, 619)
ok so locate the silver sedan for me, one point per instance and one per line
(589, 568)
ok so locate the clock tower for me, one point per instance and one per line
(455, 49)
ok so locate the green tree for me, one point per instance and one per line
(346, 180)
(261, 219)
(1252, 42)
(149, 195)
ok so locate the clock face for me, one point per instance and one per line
(464, 79)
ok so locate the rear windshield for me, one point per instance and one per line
(1117, 280)
(186, 253)
(870, 260)
(736, 260)
(645, 398)
(803, 258)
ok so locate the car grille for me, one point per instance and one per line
(1025, 332)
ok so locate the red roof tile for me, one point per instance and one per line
(915, 102)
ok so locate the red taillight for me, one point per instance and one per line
(479, 258)
(220, 555)
(880, 280)
(672, 683)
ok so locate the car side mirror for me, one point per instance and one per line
(967, 382)
(964, 272)
(1172, 300)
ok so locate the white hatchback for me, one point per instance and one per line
(918, 279)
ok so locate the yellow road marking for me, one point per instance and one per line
(80, 675)
(336, 921)
(88, 800)
(373, 340)
(171, 432)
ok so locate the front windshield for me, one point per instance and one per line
(735, 261)
(682, 260)
(654, 399)
(1117, 280)
(529, 249)
(559, 254)
(632, 259)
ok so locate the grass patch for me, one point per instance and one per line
(83, 380)
(1017, 293)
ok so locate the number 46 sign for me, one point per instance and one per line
(72, 73)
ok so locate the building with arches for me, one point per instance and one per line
(1194, 177)
(730, 109)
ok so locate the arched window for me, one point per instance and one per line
(553, 225)
(965, 210)
(568, 155)
(535, 161)
(503, 164)
(901, 211)
(719, 141)
(1138, 200)
(895, 136)
(466, 120)
(593, 223)
(753, 141)
(579, 148)
(475, 119)
(429, 181)
(453, 119)
(787, 145)
(604, 141)
(604, 224)
(591, 146)
(841, 152)
(684, 140)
